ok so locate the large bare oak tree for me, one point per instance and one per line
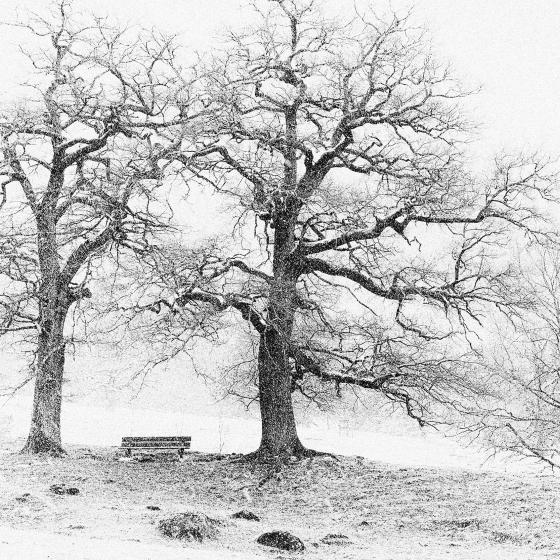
(366, 252)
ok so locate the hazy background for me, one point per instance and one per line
(510, 49)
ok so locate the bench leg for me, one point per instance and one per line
(128, 452)
(181, 453)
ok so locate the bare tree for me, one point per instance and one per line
(79, 178)
(367, 255)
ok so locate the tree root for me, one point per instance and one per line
(268, 457)
(273, 465)
(39, 443)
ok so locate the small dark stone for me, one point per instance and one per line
(23, 497)
(248, 515)
(364, 524)
(145, 459)
(153, 508)
(58, 489)
(335, 538)
(282, 540)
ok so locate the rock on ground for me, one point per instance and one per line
(244, 514)
(61, 489)
(190, 526)
(282, 540)
(335, 538)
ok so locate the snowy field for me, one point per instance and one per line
(392, 440)
(422, 496)
(386, 512)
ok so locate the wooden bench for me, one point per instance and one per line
(159, 442)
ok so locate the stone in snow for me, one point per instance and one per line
(335, 538)
(244, 514)
(282, 540)
(61, 489)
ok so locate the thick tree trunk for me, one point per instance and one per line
(44, 435)
(54, 301)
(279, 433)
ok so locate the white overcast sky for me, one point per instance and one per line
(509, 47)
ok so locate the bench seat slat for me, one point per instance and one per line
(158, 438)
(156, 442)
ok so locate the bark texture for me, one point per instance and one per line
(54, 302)
(279, 433)
(44, 435)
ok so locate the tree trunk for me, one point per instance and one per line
(54, 301)
(279, 433)
(44, 436)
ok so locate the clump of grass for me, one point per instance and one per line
(190, 526)
(503, 537)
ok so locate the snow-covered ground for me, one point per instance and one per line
(386, 512)
(17, 544)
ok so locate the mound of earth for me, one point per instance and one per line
(190, 526)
